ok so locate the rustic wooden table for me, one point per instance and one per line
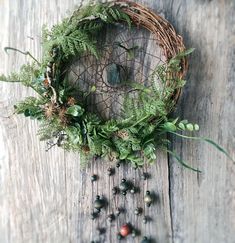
(47, 197)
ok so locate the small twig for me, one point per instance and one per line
(30, 37)
(50, 145)
(6, 117)
(54, 97)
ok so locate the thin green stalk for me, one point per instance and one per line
(182, 162)
(10, 81)
(142, 119)
(27, 53)
(206, 140)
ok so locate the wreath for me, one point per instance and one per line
(66, 119)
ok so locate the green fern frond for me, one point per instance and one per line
(91, 26)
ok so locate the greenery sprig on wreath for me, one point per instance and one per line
(66, 122)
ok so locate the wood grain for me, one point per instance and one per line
(47, 197)
(203, 205)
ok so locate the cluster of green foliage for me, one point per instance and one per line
(145, 123)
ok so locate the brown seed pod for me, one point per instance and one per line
(49, 110)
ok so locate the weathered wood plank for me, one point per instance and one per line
(47, 197)
(203, 205)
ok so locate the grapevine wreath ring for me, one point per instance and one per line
(65, 118)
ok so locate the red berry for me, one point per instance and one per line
(125, 230)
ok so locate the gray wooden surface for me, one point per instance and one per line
(47, 197)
